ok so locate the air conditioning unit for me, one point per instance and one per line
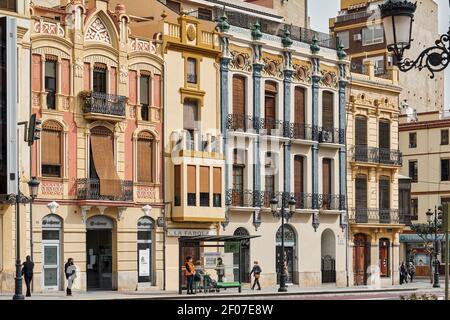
(357, 37)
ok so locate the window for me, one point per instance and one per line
(413, 140)
(384, 193)
(144, 84)
(51, 149)
(239, 96)
(99, 81)
(50, 83)
(444, 137)
(378, 64)
(345, 38)
(361, 151)
(191, 186)
(204, 14)
(238, 178)
(192, 70)
(384, 141)
(190, 121)
(177, 185)
(445, 169)
(414, 209)
(373, 35)
(269, 106)
(217, 187)
(327, 110)
(9, 5)
(299, 113)
(204, 186)
(173, 5)
(326, 183)
(413, 170)
(145, 157)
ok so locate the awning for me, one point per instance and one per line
(416, 238)
(216, 238)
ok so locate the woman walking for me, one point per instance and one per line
(189, 273)
(71, 273)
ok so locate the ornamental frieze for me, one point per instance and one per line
(273, 66)
(329, 76)
(302, 71)
(240, 61)
(97, 31)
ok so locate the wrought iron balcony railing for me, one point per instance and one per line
(379, 216)
(331, 202)
(240, 122)
(301, 131)
(331, 135)
(303, 200)
(271, 127)
(243, 198)
(89, 189)
(107, 104)
(376, 155)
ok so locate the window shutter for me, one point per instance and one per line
(177, 181)
(298, 174)
(361, 192)
(190, 115)
(270, 107)
(51, 144)
(217, 180)
(271, 87)
(361, 131)
(37, 73)
(239, 95)
(145, 157)
(204, 179)
(299, 105)
(65, 77)
(87, 76)
(326, 176)
(191, 179)
(384, 190)
(132, 83)
(384, 135)
(327, 110)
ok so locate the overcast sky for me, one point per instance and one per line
(321, 10)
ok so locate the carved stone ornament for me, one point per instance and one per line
(329, 79)
(301, 74)
(97, 31)
(273, 68)
(78, 68)
(190, 33)
(123, 74)
(240, 61)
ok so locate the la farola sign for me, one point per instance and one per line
(190, 232)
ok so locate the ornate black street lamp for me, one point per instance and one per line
(398, 16)
(19, 199)
(433, 220)
(285, 212)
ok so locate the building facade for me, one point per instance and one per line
(98, 88)
(374, 161)
(15, 107)
(283, 119)
(360, 28)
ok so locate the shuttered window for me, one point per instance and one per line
(326, 176)
(177, 185)
(239, 95)
(361, 131)
(9, 5)
(102, 148)
(217, 187)
(191, 185)
(384, 193)
(384, 135)
(361, 192)
(145, 157)
(204, 186)
(299, 105)
(298, 175)
(190, 116)
(327, 110)
(51, 149)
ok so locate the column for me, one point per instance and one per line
(315, 123)
(257, 68)
(286, 125)
(224, 102)
(342, 150)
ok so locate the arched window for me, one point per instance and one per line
(145, 157)
(51, 149)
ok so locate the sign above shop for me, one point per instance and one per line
(190, 232)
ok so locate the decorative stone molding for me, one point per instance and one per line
(240, 61)
(51, 28)
(78, 68)
(52, 188)
(273, 67)
(329, 79)
(302, 72)
(97, 31)
(53, 206)
(123, 74)
(143, 46)
(102, 209)
(84, 212)
(120, 212)
(146, 192)
(147, 209)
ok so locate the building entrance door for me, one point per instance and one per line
(361, 259)
(99, 254)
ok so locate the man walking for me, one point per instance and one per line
(256, 274)
(27, 272)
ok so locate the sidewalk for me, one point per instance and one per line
(246, 292)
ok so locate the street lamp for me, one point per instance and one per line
(19, 199)
(283, 214)
(398, 16)
(432, 218)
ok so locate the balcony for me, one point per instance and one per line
(243, 198)
(332, 202)
(301, 131)
(271, 127)
(378, 216)
(331, 135)
(376, 156)
(101, 106)
(89, 189)
(240, 122)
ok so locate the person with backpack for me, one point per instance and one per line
(256, 271)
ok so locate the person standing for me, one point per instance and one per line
(403, 273)
(27, 272)
(411, 270)
(256, 271)
(220, 269)
(71, 273)
(189, 273)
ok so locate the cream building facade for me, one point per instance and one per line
(374, 162)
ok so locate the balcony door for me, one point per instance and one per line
(384, 199)
(239, 103)
(299, 181)
(326, 183)
(269, 106)
(190, 121)
(361, 139)
(327, 111)
(99, 78)
(361, 199)
(384, 141)
(299, 114)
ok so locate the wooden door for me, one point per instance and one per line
(299, 114)
(238, 103)
(327, 111)
(361, 259)
(326, 183)
(269, 114)
(384, 257)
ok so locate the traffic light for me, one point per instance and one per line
(34, 130)
(446, 216)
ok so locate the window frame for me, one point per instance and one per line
(60, 130)
(51, 92)
(412, 145)
(415, 176)
(444, 139)
(448, 169)
(192, 79)
(373, 39)
(346, 43)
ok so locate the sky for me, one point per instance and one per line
(321, 10)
